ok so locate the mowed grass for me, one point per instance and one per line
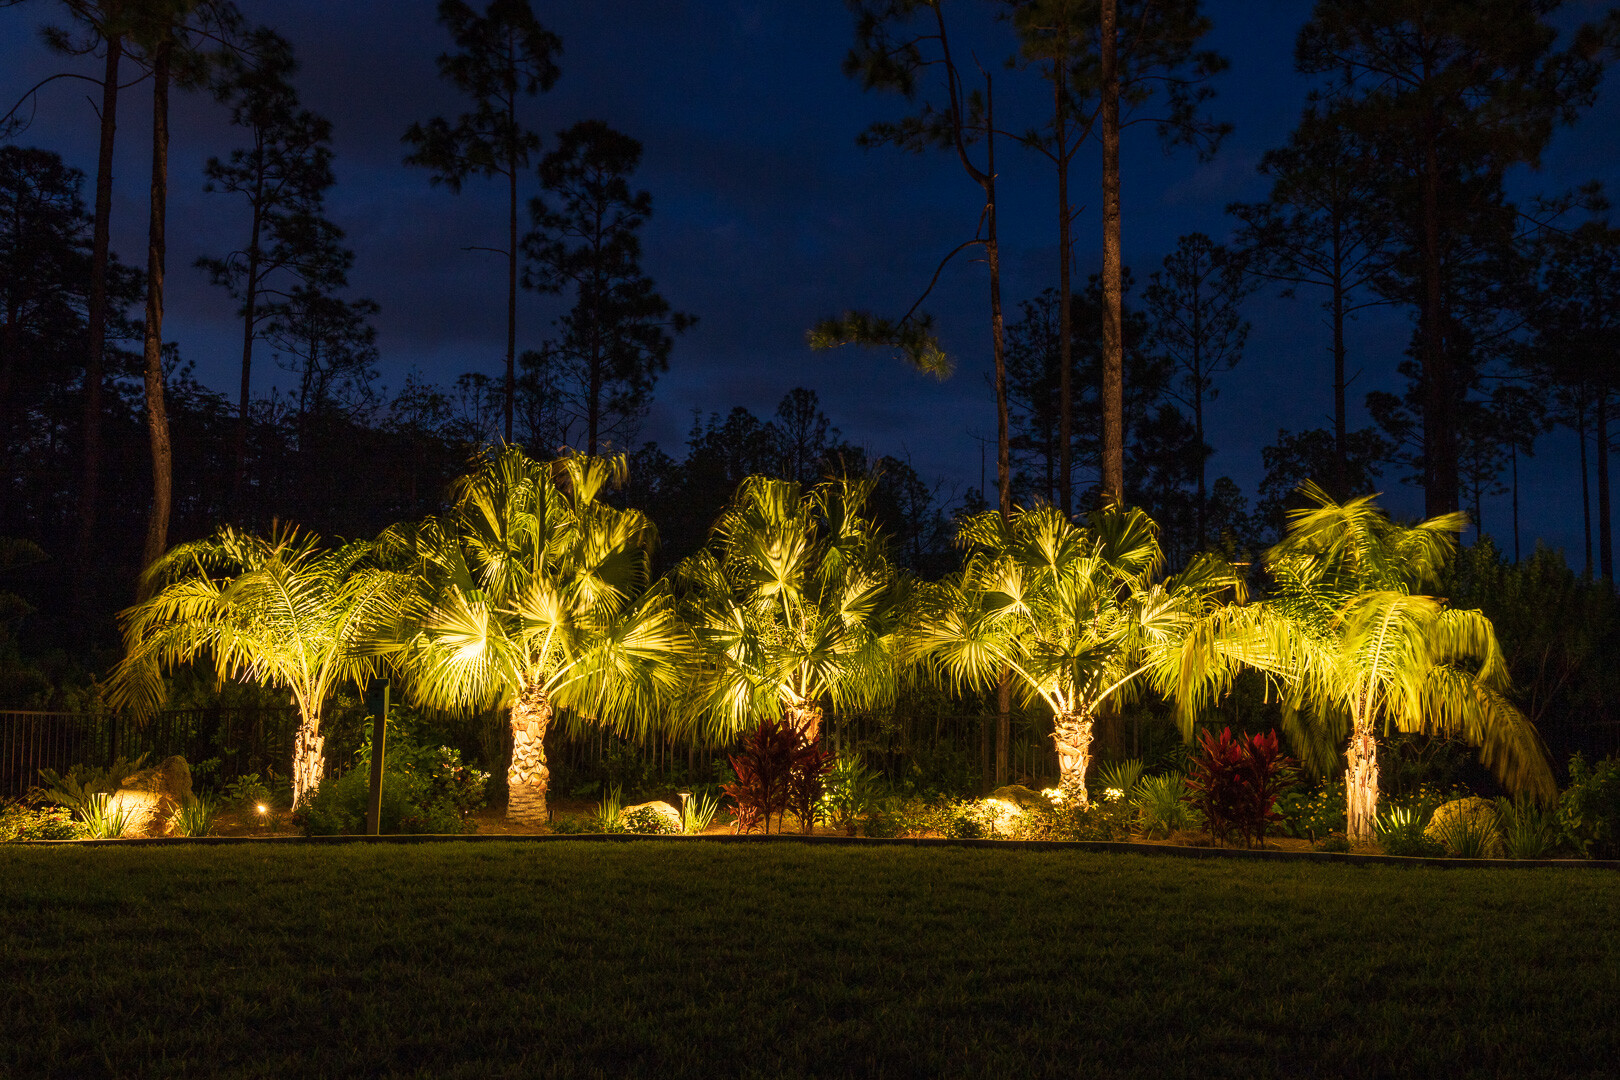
(695, 960)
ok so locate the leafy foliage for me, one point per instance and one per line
(532, 580)
(778, 770)
(1161, 807)
(648, 822)
(104, 819)
(697, 812)
(429, 791)
(77, 788)
(1589, 810)
(1078, 614)
(794, 602)
(280, 610)
(851, 791)
(1235, 782)
(1400, 831)
(1529, 830)
(19, 823)
(195, 817)
(1359, 647)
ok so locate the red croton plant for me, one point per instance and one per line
(1235, 782)
(778, 770)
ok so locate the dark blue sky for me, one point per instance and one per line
(767, 216)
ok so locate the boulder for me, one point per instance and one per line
(153, 795)
(1021, 797)
(1480, 813)
(669, 813)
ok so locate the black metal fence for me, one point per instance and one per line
(220, 744)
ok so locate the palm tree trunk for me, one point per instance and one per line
(805, 719)
(1361, 785)
(1072, 734)
(527, 776)
(308, 747)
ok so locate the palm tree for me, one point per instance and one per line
(533, 595)
(794, 604)
(280, 610)
(1080, 615)
(1349, 629)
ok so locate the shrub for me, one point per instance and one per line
(1529, 831)
(609, 816)
(1467, 829)
(778, 770)
(194, 817)
(1310, 815)
(1400, 832)
(19, 823)
(697, 812)
(245, 792)
(1160, 807)
(1121, 776)
(1235, 782)
(76, 789)
(103, 819)
(647, 821)
(434, 793)
(1103, 819)
(851, 790)
(900, 815)
(1589, 810)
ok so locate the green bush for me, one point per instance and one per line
(908, 816)
(77, 788)
(427, 791)
(851, 790)
(1529, 831)
(1589, 810)
(1100, 819)
(194, 817)
(20, 823)
(1400, 832)
(1161, 808)
(1312, 815)
(648, 822)
(1121, 776)
(103, 819)
(245, 792)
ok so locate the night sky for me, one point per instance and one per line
(767, 216)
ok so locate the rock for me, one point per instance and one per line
(1479, 814)
(669, 813)
(1021, 797)
(153, 795)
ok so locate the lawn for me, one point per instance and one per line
(703, 960)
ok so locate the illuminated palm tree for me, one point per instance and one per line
(1080, 615)
(1350, 631)
(534, 595)
(794, 604)
(278, 610)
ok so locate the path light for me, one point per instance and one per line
(263, 809)
(684, 818)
